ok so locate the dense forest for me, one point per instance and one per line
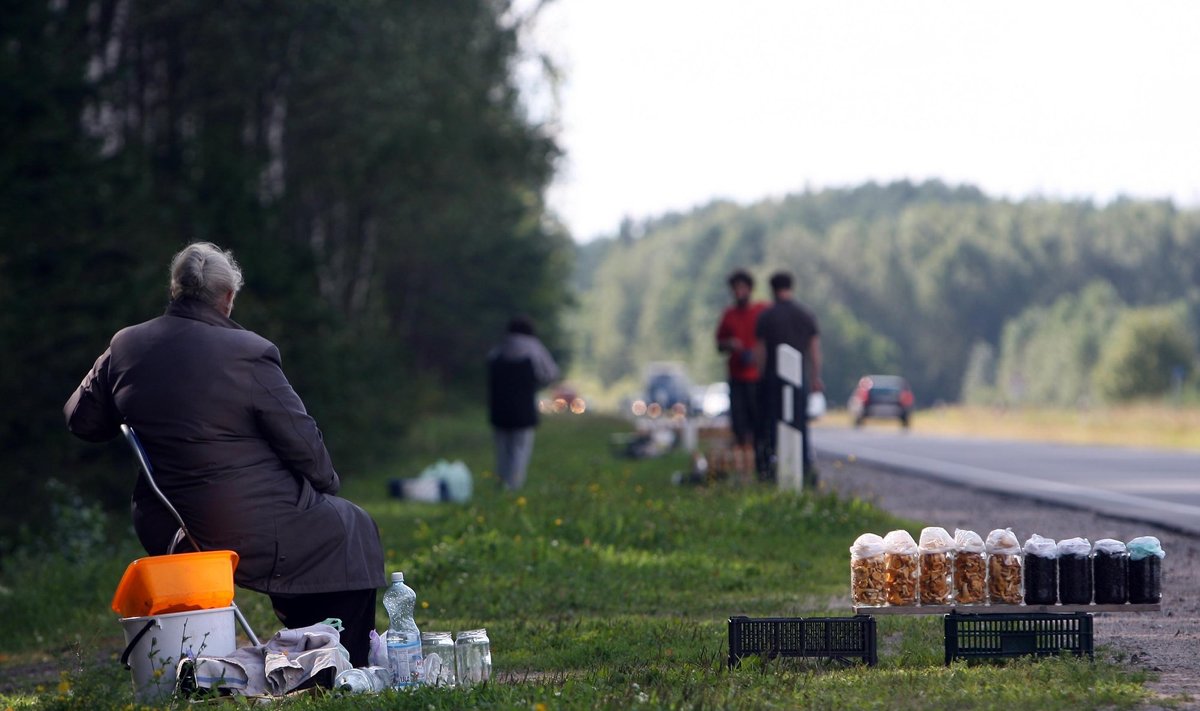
(988, 301)
(371, 165)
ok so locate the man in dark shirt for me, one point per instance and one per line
(787, 321)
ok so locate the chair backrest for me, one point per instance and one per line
(143, 461)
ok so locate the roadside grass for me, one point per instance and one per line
(601, 585)
(1137, 425)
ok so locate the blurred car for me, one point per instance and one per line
(563, 398)
(668, 392)
(881, 396)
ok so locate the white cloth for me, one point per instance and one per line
(286, 661)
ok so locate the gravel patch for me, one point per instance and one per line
(1165, 643)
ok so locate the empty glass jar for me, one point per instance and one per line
(437, 649)
(473, 654)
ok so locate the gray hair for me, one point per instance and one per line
(204, 271)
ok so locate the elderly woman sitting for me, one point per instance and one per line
(235, 452)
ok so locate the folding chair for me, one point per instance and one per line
(183, 533)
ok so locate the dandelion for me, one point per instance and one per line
(521, 501)
(64, 684)
(424, 604)
(539, 706)
(558, 522)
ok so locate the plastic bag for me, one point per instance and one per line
(456, 475)
(902, 567)
(937, 566)
(1004, 567)
(1143, 546)
(1074, 547)
(816, 405)
(377, 655)
(867, 573)
(970, 568)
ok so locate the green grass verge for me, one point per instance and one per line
(601, 586)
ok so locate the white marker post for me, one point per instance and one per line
(789, 443)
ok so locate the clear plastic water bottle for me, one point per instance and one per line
(403, 638)
(364, 680)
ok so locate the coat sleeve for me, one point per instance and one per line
(293, 434)
(544, 367)
(90, 411)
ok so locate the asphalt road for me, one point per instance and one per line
(1150, 485)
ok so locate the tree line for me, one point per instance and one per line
(971, 298)
(371, 165)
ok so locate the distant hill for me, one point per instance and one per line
(968, 296)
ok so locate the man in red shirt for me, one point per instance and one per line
(735, 336)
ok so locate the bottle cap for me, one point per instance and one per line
(398, 576)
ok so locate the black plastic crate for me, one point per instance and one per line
(991, 636)
(844, 638)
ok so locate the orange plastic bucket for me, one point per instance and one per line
(176, 583)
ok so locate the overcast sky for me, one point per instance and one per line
(670, 103)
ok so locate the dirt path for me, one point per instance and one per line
(1166, 643)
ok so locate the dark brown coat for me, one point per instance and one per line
(232, 448)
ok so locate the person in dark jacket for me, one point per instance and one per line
(235, 452)
(787, 321)
(517, 368)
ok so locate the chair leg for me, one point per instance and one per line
(180, 536)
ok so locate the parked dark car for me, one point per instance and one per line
(881, 396)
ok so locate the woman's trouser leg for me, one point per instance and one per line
(522, 451)
(355, 608)
(513, 450)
